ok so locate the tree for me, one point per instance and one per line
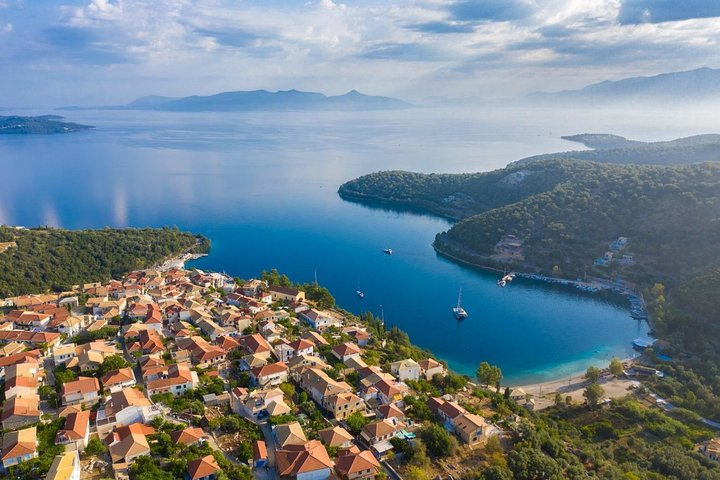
(593, 393)
(94, 447)
(355, 422)
(110, 363)
(616, 367)
(489, 374)
(558, 399)
(493, 445)
(438, 441)
(496, 472)
(592, 374)
(530, 464)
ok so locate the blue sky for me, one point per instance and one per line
(112, 51)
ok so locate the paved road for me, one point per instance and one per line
(271, 472)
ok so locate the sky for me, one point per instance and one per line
(105, 52)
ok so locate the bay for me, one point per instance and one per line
(262, 186)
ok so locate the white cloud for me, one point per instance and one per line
(7, 28)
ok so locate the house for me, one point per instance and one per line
(76, 432)
(178, 380)
(21, 379)
(270, 374)
(19, 357)
(84, 390)
(260, 455)
(356, 466)
(117, 380)
(430, 368)
(205, 468)
(343, 404)
(19, 446)
(390, 411)
(129, 442)
(203, 353)
(64, 353)
(305, 461)
(390, 391)
(125, 407)
(189, 436)
(319, 320)
(20, 411)
(378, 431)
(65, 466)
(319, 385)
(315, 338)
(336, 437)
(31, 339)
(711, 449)
(252, 403)
(345, 351)
(288, 434)
(255, 344)
(253, 287)
(407, 369)
(472, 428)
(287, 295)
(248, 362)
(91, 355)
(361, 337)
(297, 363)
(301, 347)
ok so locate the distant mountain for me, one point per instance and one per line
(38, 125)
(616, 149)
(258, 100)
(702, 83)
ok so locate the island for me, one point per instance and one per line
(42, 125)
(261, 100)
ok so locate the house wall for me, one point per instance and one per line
(315, 475)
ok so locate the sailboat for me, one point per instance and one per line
(458, 311)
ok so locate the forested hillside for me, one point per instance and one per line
(567, 212)
(45, 259)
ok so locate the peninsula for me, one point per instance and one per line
(44, 124)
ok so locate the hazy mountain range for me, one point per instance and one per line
(257, 100)
(699, 84)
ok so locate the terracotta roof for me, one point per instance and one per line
(118, 376)
(301, 344)
(356, 462)
(310, 456)
(81, 385)
(335, 436)
(345, 349)
(19, 443)
(390, 411)
(429, 363)
(188, 436)
(76, 426)
(127, 397)
(289, 433)
(26, 406)
(379, 428)
(451, 409)
(259, 450)
(269, 369)
(202, 467)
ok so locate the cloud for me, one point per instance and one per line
(7, 28)
(442, 27)
(491, 10)
(633, 12)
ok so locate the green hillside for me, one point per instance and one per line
(46, 259)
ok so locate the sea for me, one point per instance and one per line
(263, 187)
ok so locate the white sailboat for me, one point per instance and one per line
(458, 311)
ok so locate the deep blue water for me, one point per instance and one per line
(262, 187)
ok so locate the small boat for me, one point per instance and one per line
(360, 293)
(458, 311)
(507, 278)
(387, 251)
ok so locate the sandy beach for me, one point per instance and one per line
(544, 392)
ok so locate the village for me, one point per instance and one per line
(191, 372)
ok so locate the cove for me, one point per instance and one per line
(262, 187)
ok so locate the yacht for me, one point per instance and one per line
(360, 293)
(387, 251)
(458, 311)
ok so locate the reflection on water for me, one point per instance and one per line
(263, 187)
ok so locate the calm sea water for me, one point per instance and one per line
(263, 187)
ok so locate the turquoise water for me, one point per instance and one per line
(262, 187)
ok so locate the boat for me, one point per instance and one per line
(387, 251)
(507, 278)
(360, 293)
(458, 311)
